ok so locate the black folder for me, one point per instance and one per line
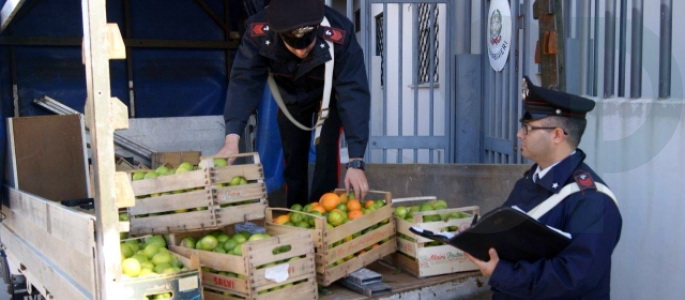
(514, 234)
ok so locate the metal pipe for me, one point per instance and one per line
(665, 44)
(636, 50)
(400, 100)
(622, 48)
(609, 47)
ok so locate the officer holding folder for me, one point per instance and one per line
(562, 192)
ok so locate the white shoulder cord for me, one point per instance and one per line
(325, 102)
(571, 188)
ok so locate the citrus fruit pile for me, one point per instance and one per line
(221, 242)
(337, 209)
(148, 258)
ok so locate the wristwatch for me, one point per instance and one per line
(356, 164)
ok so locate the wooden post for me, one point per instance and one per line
(99, 116)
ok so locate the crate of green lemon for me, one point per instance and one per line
(240, 265)
(421, 256)
(191, 197)
(151, 271)
(347, 233)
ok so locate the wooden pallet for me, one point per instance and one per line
(301, 272)
(324, 237)
(420, 259)
(198, 199)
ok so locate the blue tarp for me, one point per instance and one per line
(167, 82)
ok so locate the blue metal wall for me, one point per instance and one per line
(167, 82)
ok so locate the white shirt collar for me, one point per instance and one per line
(544, 171)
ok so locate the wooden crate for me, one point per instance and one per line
(420, 259)
(199, 199)
(324, 237)
(175, 158)
(183, 285)
(301, 272)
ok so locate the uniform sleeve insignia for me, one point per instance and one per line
(584, 181)
(334, 35)
(258, 29)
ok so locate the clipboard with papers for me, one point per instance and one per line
(513, 233)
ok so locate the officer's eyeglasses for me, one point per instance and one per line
(526, 128)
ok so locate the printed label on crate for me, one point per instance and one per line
(278, 273)
(441, 258)
(232, 194)
(188, 283)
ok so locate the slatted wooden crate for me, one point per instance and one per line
(199, 199)
(252, 283)
(417, 256)
(183, 285)
(324, 237)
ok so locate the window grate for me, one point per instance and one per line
(428, 14)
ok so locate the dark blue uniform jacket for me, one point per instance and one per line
(301, 81)
(582, 270)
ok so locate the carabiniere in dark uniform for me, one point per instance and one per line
(300, 82)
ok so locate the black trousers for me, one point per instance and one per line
(296, 143)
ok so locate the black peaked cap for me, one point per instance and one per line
(286, 15)
(540, 103)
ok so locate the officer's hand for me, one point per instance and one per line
(357, 180)
(486, 267)
(230, 147)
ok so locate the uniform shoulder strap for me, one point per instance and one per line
(569, 189)
(325, 101)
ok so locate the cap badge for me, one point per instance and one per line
(300, 32)
(558, 111)
(524, 90)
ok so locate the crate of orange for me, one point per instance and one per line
(348, 234)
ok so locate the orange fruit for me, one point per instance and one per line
(353, 205)
(375, 246)
(319, 208)
(355, 214)
(343, 198)
(282, 219)
(361, 253)
(369, 204)
(329, 201)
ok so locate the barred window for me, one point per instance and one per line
(428, 15)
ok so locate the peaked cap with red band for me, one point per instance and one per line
(540, 103)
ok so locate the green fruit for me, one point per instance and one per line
(296, 217)
(140, 257)
(222, 238)
(185, 165)
(426, 207)
(188, 242)
(207, 243)
(162, 258)
(157, 239)
(161, 267)
(146, 265)
(220, 162)
(238, 250)
(239, 239)
(296, 207)
(257, 237)
(220, 249)
(151, 250)
(235, 181)
(302, 224)
(146, 272)
(440, 204)
(151, 175)
(246, 234)
(243, 180)
(130, 267)
(230, 244)
(138, 176)
(126, 250)
(401, 212)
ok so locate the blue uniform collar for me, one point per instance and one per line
(562, 173)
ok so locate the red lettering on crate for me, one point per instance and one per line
(291, 269)
(227, 283)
